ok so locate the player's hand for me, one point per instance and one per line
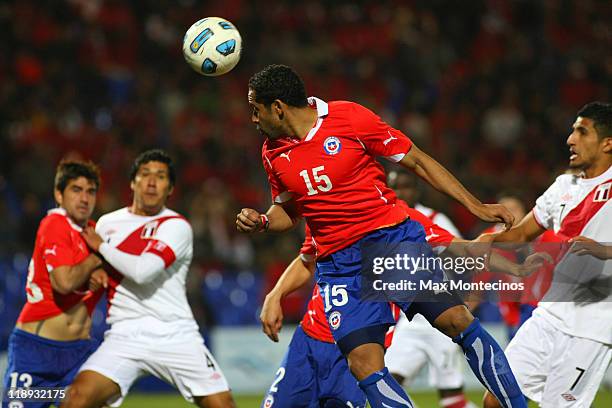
(248, 220)
(92, 239)
(271, 317)
(98, 280)
(533, 262)
(586, 246)
(495, 213)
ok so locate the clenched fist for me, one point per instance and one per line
(249, 220)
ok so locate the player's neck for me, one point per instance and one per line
(597, 169)
(302, 120)
(145, 211)
(81, 224)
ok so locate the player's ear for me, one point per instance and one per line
(607, 144)
(278, 107)
(170, 190)
(58, 196)
(132, 185)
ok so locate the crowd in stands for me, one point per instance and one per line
(488, 87)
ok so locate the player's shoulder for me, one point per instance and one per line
(174, 219)
(113, 216)
(343, 108)
(564, 182)
(55, 221)
(567, 178)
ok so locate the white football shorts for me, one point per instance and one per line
(554, 369)
(176, 356)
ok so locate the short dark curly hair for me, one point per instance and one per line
(279, 82)
(601, 114)
(157, 155)
(68, 170)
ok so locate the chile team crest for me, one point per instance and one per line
(332, 145)
(335, 318)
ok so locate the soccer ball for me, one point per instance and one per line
(212, 46)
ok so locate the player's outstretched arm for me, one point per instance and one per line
(498, 262)
(587, 246)
(297, 274)
(277, 219)
(141, 269)
(442, 180)
(65, 279)
(526, 230)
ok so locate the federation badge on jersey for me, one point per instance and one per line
(332, 145)
(335, 319)
(269, 401)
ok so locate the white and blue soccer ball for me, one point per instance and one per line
(212, 46)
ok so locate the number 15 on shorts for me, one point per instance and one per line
(337, 296)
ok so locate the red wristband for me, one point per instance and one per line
(265, 222)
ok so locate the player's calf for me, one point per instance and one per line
(489, 401)
(367, 363)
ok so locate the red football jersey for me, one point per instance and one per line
(315, 323)
(58, 243)
(333, 176)
(538, 283)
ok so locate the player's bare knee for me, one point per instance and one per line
(489, 401)
(365, 360)
(76, 397)
(454, 321)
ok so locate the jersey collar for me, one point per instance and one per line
(62, 211)
(322, 111)
(606, 175)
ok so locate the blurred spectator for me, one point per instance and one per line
(489, 87)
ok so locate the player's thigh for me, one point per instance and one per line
(120, 360)
(577, 368)
(406, 356)
(294, 380)
(90, 389)
(529, 353)
(445, 362)
(189, 366)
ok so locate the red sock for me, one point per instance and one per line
(455, 401)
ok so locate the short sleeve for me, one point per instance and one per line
(378, 137)
(277, 190)
(56, 244)
(544, 206)
(173, 240)
(308, 251)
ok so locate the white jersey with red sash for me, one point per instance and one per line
(167, 235)
(574, 206)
